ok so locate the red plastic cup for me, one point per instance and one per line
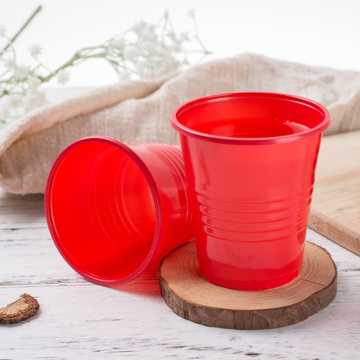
(114, 211)
(250, 160)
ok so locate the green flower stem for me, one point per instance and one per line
(76, 59)
(12, 40)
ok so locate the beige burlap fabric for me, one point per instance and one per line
(140, 111)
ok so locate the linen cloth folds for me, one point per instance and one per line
(139, 111)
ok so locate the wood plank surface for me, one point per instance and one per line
(335, 208)
(81, 320)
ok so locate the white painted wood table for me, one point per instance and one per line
(81, 320)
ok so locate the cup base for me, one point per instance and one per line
(252, 285)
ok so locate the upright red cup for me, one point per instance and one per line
(114, 211)
(250, 162)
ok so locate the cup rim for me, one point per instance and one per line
(250, 141)
(157, 203)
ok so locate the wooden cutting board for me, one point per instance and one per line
(335, 208)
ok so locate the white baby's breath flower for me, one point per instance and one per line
(20, 71)
(35, 51)
(34, 99)
(138, 27)
(161, 51)
(14, 101)
(148, 47)
(176, 48)
(142, 69)
(148, 34)
(10, 63)
(4, 113)
(34, 83)
(119, 43)
(130, 53)
(63, 77)
(172, 35)
(2, 31)
(124, 76)
(184, 36)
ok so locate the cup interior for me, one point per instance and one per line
(101, 207)
(266, 117)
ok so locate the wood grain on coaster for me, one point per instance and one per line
(194, 298)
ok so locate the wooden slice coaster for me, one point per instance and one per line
(194, 298)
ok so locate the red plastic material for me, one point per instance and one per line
(114, 211)
(250, 160)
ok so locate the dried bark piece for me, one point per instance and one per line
(22, 309)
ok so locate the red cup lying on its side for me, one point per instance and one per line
(250, 162)
(114, 211)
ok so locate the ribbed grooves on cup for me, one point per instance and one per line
(174, 157)
(265, 221)
(242, 207)
(171, 154)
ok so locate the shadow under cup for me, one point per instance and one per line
(250, 163)
(115, 210)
